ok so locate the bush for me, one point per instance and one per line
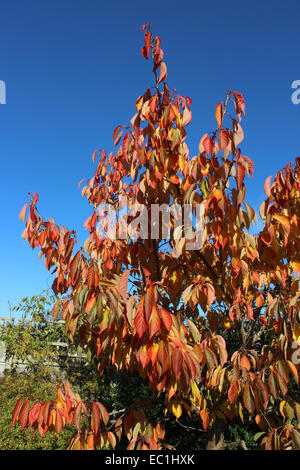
(38, 388)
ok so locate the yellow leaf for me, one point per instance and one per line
(181, 162)
(195, 392)
(284, 221)
(139, 103)
(176, 409)
(296, 266)
(296, 332)
(226, 323)
(281, 408)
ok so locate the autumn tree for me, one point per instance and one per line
(214, 329)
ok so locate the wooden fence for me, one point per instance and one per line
(67, 359)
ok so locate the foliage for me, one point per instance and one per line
(29, 340)
(11, 388)
(159, 308)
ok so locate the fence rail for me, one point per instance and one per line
(8, 364)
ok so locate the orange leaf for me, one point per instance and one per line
(205, 418)
(284, 221)
(259, 300)
(163, 72)
(233, 392)
(296, 266)
(219, 114)
(154, 323)
(90, 304)
(116, 131)
(240, 175)
(95, 422)
(166, 318)
(149, 300)
(22, 214)
(177, 362)
(139, 321)
(15, 413)
(23, 416)
(267, 186)
(245, 362)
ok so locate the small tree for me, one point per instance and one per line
(29, 340)
(212, 328)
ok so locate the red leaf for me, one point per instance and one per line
(146, 47)
(34, 413)
(149, 300)
(219, 114)
(95, 422)
(125, 144)
(223, 139)
(250, 312)
(166, 318)
(16, 411)
(45, 411)
(32, 213)
(116, 131)
(208, 145)
(118, 138)
(144, 52)
(176, 362)
(240, 175)
(90, 277)
(233, 392)
(74, 267)
(123, 283)
(139, 321)
(59, 422)
(35, 199)
(154, 323)
(23, 416)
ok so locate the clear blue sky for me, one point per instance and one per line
(73, 70)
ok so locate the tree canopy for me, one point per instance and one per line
(213, 328)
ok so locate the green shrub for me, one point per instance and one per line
(38, 388)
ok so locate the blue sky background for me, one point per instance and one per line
(73, 70)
